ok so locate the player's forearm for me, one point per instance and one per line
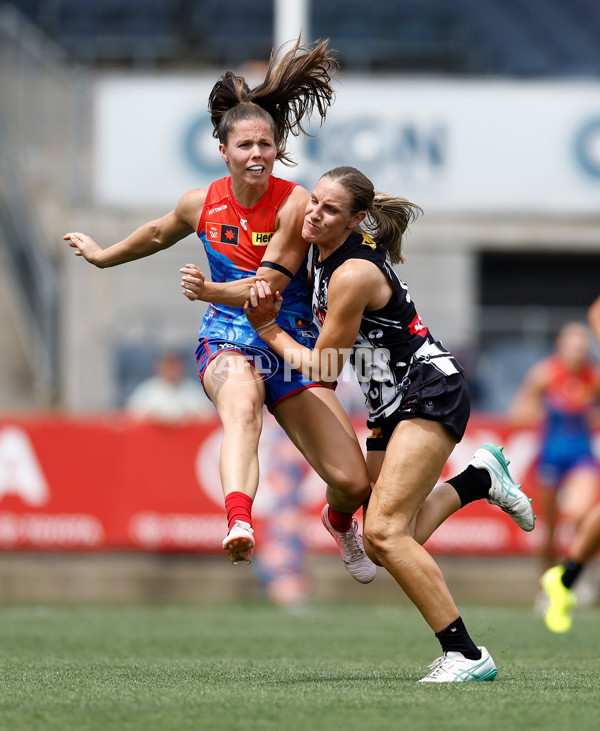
(237, 292)
(230, 294)
(143, 242)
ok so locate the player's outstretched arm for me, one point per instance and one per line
(527, 406)
(148, 239)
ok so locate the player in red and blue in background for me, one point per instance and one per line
(561, 395)
(558, 582)
(250, 224)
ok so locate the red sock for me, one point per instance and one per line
(341, 522)
(239, 507)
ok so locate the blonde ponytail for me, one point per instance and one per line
(387, 220)
(387, 217)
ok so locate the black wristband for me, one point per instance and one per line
(277, 267)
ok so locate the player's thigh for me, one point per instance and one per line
(579, 492)
(547, 499)
(413, 462)
(587, 541)
(234, 386)
(317, 424)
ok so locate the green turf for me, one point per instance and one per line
(250, 667)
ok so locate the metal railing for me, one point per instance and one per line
(35, 274)
(42, 159)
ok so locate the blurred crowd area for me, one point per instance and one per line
(491, 37)
(495, 284)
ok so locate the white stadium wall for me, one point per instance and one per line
(452, 146)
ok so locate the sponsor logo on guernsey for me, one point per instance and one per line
(261, 239)
(368, 241)
(319, 315)
(416, 327)
(221, 233)
(217, 209)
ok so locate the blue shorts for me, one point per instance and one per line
(561, 455)
(281, 380)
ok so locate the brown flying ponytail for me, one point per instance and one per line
(291, 90)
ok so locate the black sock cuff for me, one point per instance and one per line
(471, 484)
(455, 638)
(457, 626)
(572, 571)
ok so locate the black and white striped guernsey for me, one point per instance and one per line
(392, 342)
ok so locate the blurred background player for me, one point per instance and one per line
(251, 222)
(561, 394)
(557, 582)
(281, 565)
(169, 396)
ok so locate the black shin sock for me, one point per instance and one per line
(455, 638)
(572, 571)
(472, 484)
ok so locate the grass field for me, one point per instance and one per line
(252, 667)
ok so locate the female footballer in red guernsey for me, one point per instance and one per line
(561, 393)
(250, 224)
(557, 582)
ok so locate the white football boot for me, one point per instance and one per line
(454, 667)
(504, 492)
(239, 542)
(351, 549)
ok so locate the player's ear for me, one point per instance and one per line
(357, 219)
(223, 152)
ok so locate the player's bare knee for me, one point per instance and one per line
(381, 536)
(244, 414)
(350, 488)
(371, 552)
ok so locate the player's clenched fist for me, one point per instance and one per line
(192, 281)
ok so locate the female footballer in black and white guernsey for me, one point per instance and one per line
(415, 391)
(392, 344)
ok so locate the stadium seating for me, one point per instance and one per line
(487, 37)
(138, 31)
(226, 33)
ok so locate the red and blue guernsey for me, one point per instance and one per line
(567, 439)
(235, 239)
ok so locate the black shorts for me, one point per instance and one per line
(446, 400)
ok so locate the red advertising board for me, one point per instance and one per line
(111, 483)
